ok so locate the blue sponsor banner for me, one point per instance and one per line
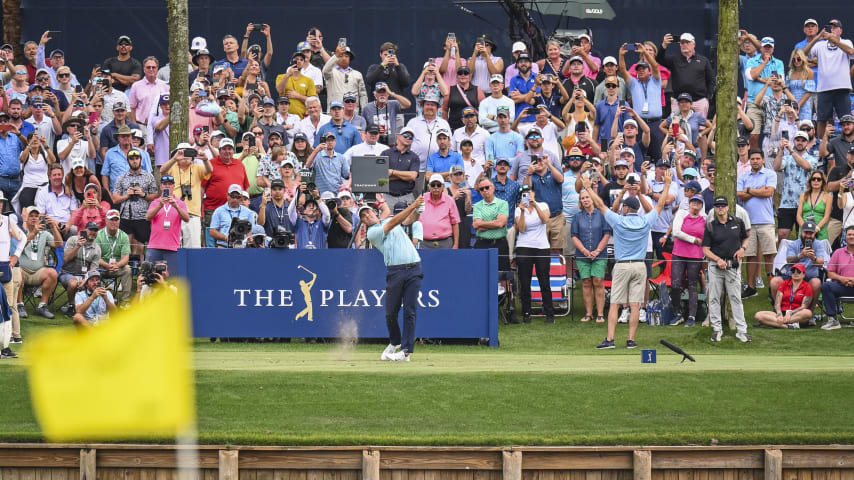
(323, 293)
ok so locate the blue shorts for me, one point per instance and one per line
(832, 101)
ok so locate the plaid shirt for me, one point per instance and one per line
(266, 167)
(135, 207)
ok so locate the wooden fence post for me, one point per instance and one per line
(642, 463)
(773, 465)
(370, 465)
(227, 464)
(87, 464)
(512, 463)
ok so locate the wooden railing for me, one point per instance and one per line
(158, 462)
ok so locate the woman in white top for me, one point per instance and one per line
(483, 64)
(532, 250)
(34, 163)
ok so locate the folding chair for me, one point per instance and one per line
(506, 297)
(561, 297)
(663, 276)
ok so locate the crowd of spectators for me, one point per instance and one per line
(532, 156)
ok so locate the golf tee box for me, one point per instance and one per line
(648, 356)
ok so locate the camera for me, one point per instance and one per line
(808, 242)
(390, 52)
(258, 26)
(282, 238)
(134, 185)
(237, 232)
(576, 42)
(151, 271)
(186, 192)
(331, 203)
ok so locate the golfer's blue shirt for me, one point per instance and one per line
(630, 234)
(396, 246)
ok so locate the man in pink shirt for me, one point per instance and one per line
(840, 280)
(143, 94)
(166, 214)
(440, 218)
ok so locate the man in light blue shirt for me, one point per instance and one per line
(504, 143)
(756, 71)
(403, 280)
(346, 134)
(646, 93)
(222, 216)
(756, 194)
(330, 167)
(631, 233)
(440, 162)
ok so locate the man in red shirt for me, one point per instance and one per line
(440, 218)
(226, 171)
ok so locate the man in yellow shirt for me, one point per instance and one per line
(295, 85)
(188, 187)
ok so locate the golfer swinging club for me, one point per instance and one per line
(403, 280)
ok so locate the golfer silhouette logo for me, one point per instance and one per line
(306, 287)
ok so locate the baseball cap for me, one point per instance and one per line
(802, 134)
(463, 70)
(662, 162)
(198, 43)
(627, 150)
(380, 86)
(6, 46)
(366, 207)
(300, 136)
(31, 209)
(113, 214)
(124, 38)
(742, 141)
(621, 163)
(345, 194)
(581, 127)
(78, 162)
(436, 177)
(630, 121)
(633, 178)
(432, 97)
(286, 161)
(641, 64)
(610, 60)
(720, 200)
(502, 110)
(283, 99)
(216, 69)
(217, 133)
(810, 21)
(328, 134)
(632, 203)
(56, 51)
(349, 96)
(694, 185)
(119, 106)
(690, 153)
(534, 130)
(496, 78)
(685, 96)
(456, 169)
(851, 150)
(167, 178)
(799, 267)
(847, 119)
(268, 101)
(372, 129)
(226, 142)
(92, 226)
(327, 195)
(686, 37)
(809, 226)
(698, 198)
(277, 183)
(469, 111)
(234, 188)
(835, 23)
(519, 47)
(576, 59)
(407, 129)
(94, 272)
(805, 123)
(523, 56)
(767, 41)
(443, 131)
(303, 46)
(499, 160)
(336, 104)
(690, 172)
(244, 193)
(91, 185)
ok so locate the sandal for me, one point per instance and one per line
(587, 318)
(600, 319)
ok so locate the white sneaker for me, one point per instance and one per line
(831, 324)
(624, 315)
(743, 336)
(716, 335)
(399, 356)
(389, 350)
(642, 317)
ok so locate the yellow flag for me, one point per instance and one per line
(130, 377)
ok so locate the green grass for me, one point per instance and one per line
(544, 385)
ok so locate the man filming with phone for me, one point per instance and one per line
(167, 214)
(132, 193)
(389, 70)
(833, 80)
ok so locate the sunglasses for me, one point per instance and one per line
(350, 100)
(611, 85)
(234, 195)
(469, 115)
(134, 156)
(535, 135)
(795, 270)
(806, 129)
(407, 136)
(484, 188)
(63, 75)
(463, 72)
(42, 79)
(817, 179)
(436, 185)
(21, 72)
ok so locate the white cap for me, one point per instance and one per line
(627, 150)
(327, 195)
(802, 134)
(608, 60)
(78, 162)
(244, 193)
(436, 177)
(584, 35)
(226, 142)
(198, 43)
(234, 188)
(519, 47)
(805, 122)
(345, 194)
(810, 20)
(407, 129)
(218, 133)
(196, 86)
(630, 121)
(497, 77)
(686, 37)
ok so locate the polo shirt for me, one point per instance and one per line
(507, 191)
(384, 118)
(760, 210)
(478, 141)
(552, 103)
(631, 233)
(569, 196)
(330, 172)
(548, 191)
(115, 246)
(646, 93)
(32, 259)
(10, 152)
(166, 238)
(605, 113)
(223, 175)
(490, 211)
(346, 135)
(724, 239)
(833, 64)
(842, 262)
(192, 176)
(438, 217)
(792, 300)
(303, 85)
(250, 163)
(396, 246)
(57, 206)
(753, 85)
(236, 67)
(504, 145)
(97, 309)
(688, 75)
(116, 164)
(522, 162)
(437, 162)
(794, 249)
(221, 219)
(407, 161)
(307, 127)
(144, 95)
(523, 86)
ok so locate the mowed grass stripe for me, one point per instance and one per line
(495, 408)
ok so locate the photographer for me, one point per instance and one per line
(329, 166)
(342, 220)
(166, 215)
(312, 226)
(115, 253)
(42, 233)
(93, 303)
(152, 276)
(273, 211)
(132, 193)
(223, 215)
(189, 176)
(81, 254)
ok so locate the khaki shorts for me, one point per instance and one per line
(628, 282)
(765, 234)
(834, 228)
(554, 227)
(569, 249)
(757, 116)
(34, 279)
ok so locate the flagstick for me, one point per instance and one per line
(187, 453)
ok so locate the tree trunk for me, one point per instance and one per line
(727, 83)
(12, 26)
(178, 88)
